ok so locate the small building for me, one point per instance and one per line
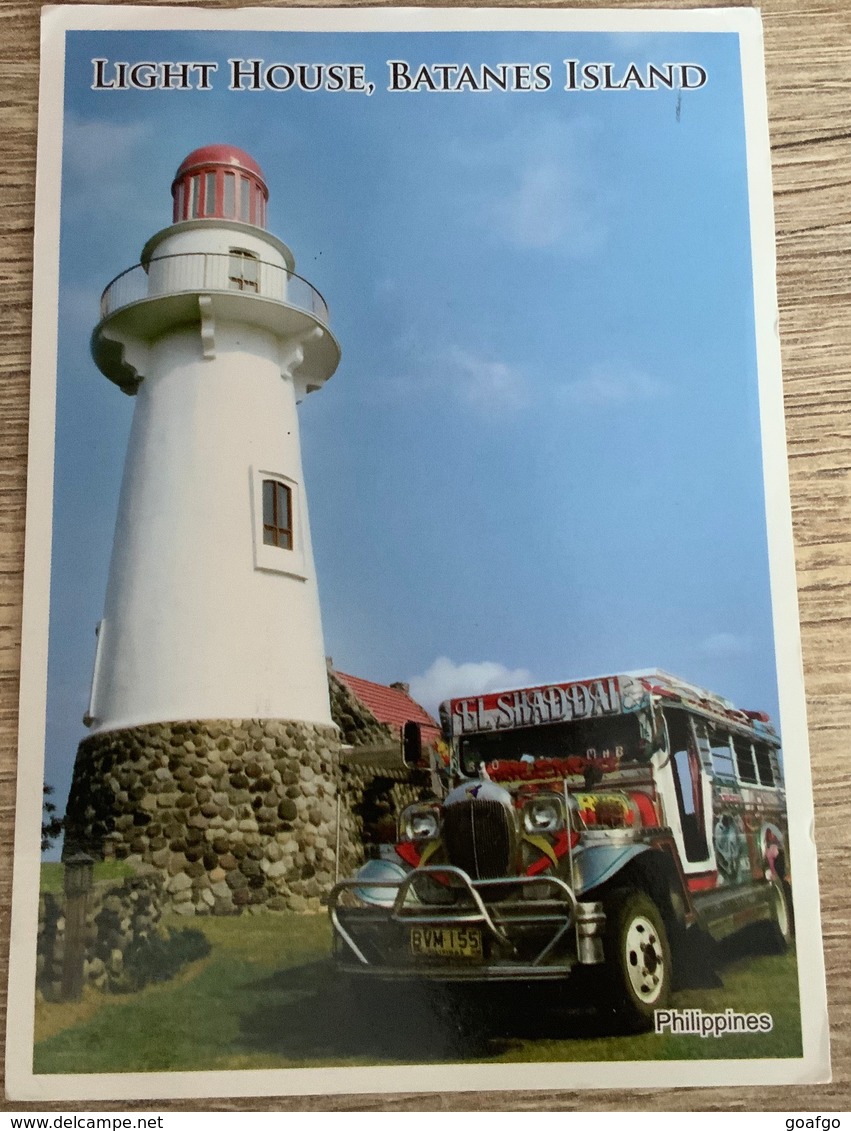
(402, 720)
(385, 760)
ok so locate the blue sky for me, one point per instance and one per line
(540, 456)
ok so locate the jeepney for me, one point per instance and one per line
(598, 825)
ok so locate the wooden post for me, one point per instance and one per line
(79, 869)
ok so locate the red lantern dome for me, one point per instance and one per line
(220, 182)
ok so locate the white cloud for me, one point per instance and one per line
(545, 209)
(725, 644)
(536, 188)
(494, 388)
(614, 385)
(446, 680)
(485, 385)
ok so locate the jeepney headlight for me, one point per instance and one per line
(543, 814)
(420, 822)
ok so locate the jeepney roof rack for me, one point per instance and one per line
(692, 695)
(667, 682)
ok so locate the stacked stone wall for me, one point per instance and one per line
(376, 797)
(377, 785)
(118, 912)
(235, 814)
(243, 814)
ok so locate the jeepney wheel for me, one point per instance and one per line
(782, 927)
(638, 960)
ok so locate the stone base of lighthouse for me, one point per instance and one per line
(237, 814)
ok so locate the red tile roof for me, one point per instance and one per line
(390, 705)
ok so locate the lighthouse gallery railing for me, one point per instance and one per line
(209, 271)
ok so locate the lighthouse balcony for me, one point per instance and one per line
(203, 288)
(193, 272)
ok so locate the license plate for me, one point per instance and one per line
(447, 942)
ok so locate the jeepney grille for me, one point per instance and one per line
(479, 837)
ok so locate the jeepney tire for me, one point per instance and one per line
(782, 926)
(639, 964)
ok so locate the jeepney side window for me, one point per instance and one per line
(721, 746)
(745, 766)
(686, 766)
(764, 768)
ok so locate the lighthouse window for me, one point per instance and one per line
(244, 270)
(178, 212)
(209, 194)
(276, 524)
(195, 197)
(230, 194)
(277, 514)
(244, 194)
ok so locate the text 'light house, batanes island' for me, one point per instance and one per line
(212, 743)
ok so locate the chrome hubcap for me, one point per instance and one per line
(645, 960)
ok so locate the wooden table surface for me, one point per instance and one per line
(808, 58)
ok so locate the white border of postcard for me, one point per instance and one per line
(21, 1083)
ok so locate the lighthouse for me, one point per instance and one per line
(212, 607)
(211, 736)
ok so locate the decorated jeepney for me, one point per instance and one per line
(597, 824)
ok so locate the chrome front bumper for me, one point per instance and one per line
(525, 938)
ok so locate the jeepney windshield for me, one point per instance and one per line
(610, 737)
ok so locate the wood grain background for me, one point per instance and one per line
(808, 58)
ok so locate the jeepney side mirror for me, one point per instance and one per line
(412, 744)
(653, 737)
(656, 745)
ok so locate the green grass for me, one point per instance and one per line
(52, 874)
(750, 984)
(266, 997)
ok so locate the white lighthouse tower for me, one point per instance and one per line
(212, 753)
(212, 608)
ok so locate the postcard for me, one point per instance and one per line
(489, 768)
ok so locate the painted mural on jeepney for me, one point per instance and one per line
(749, 835)
(731, 849)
